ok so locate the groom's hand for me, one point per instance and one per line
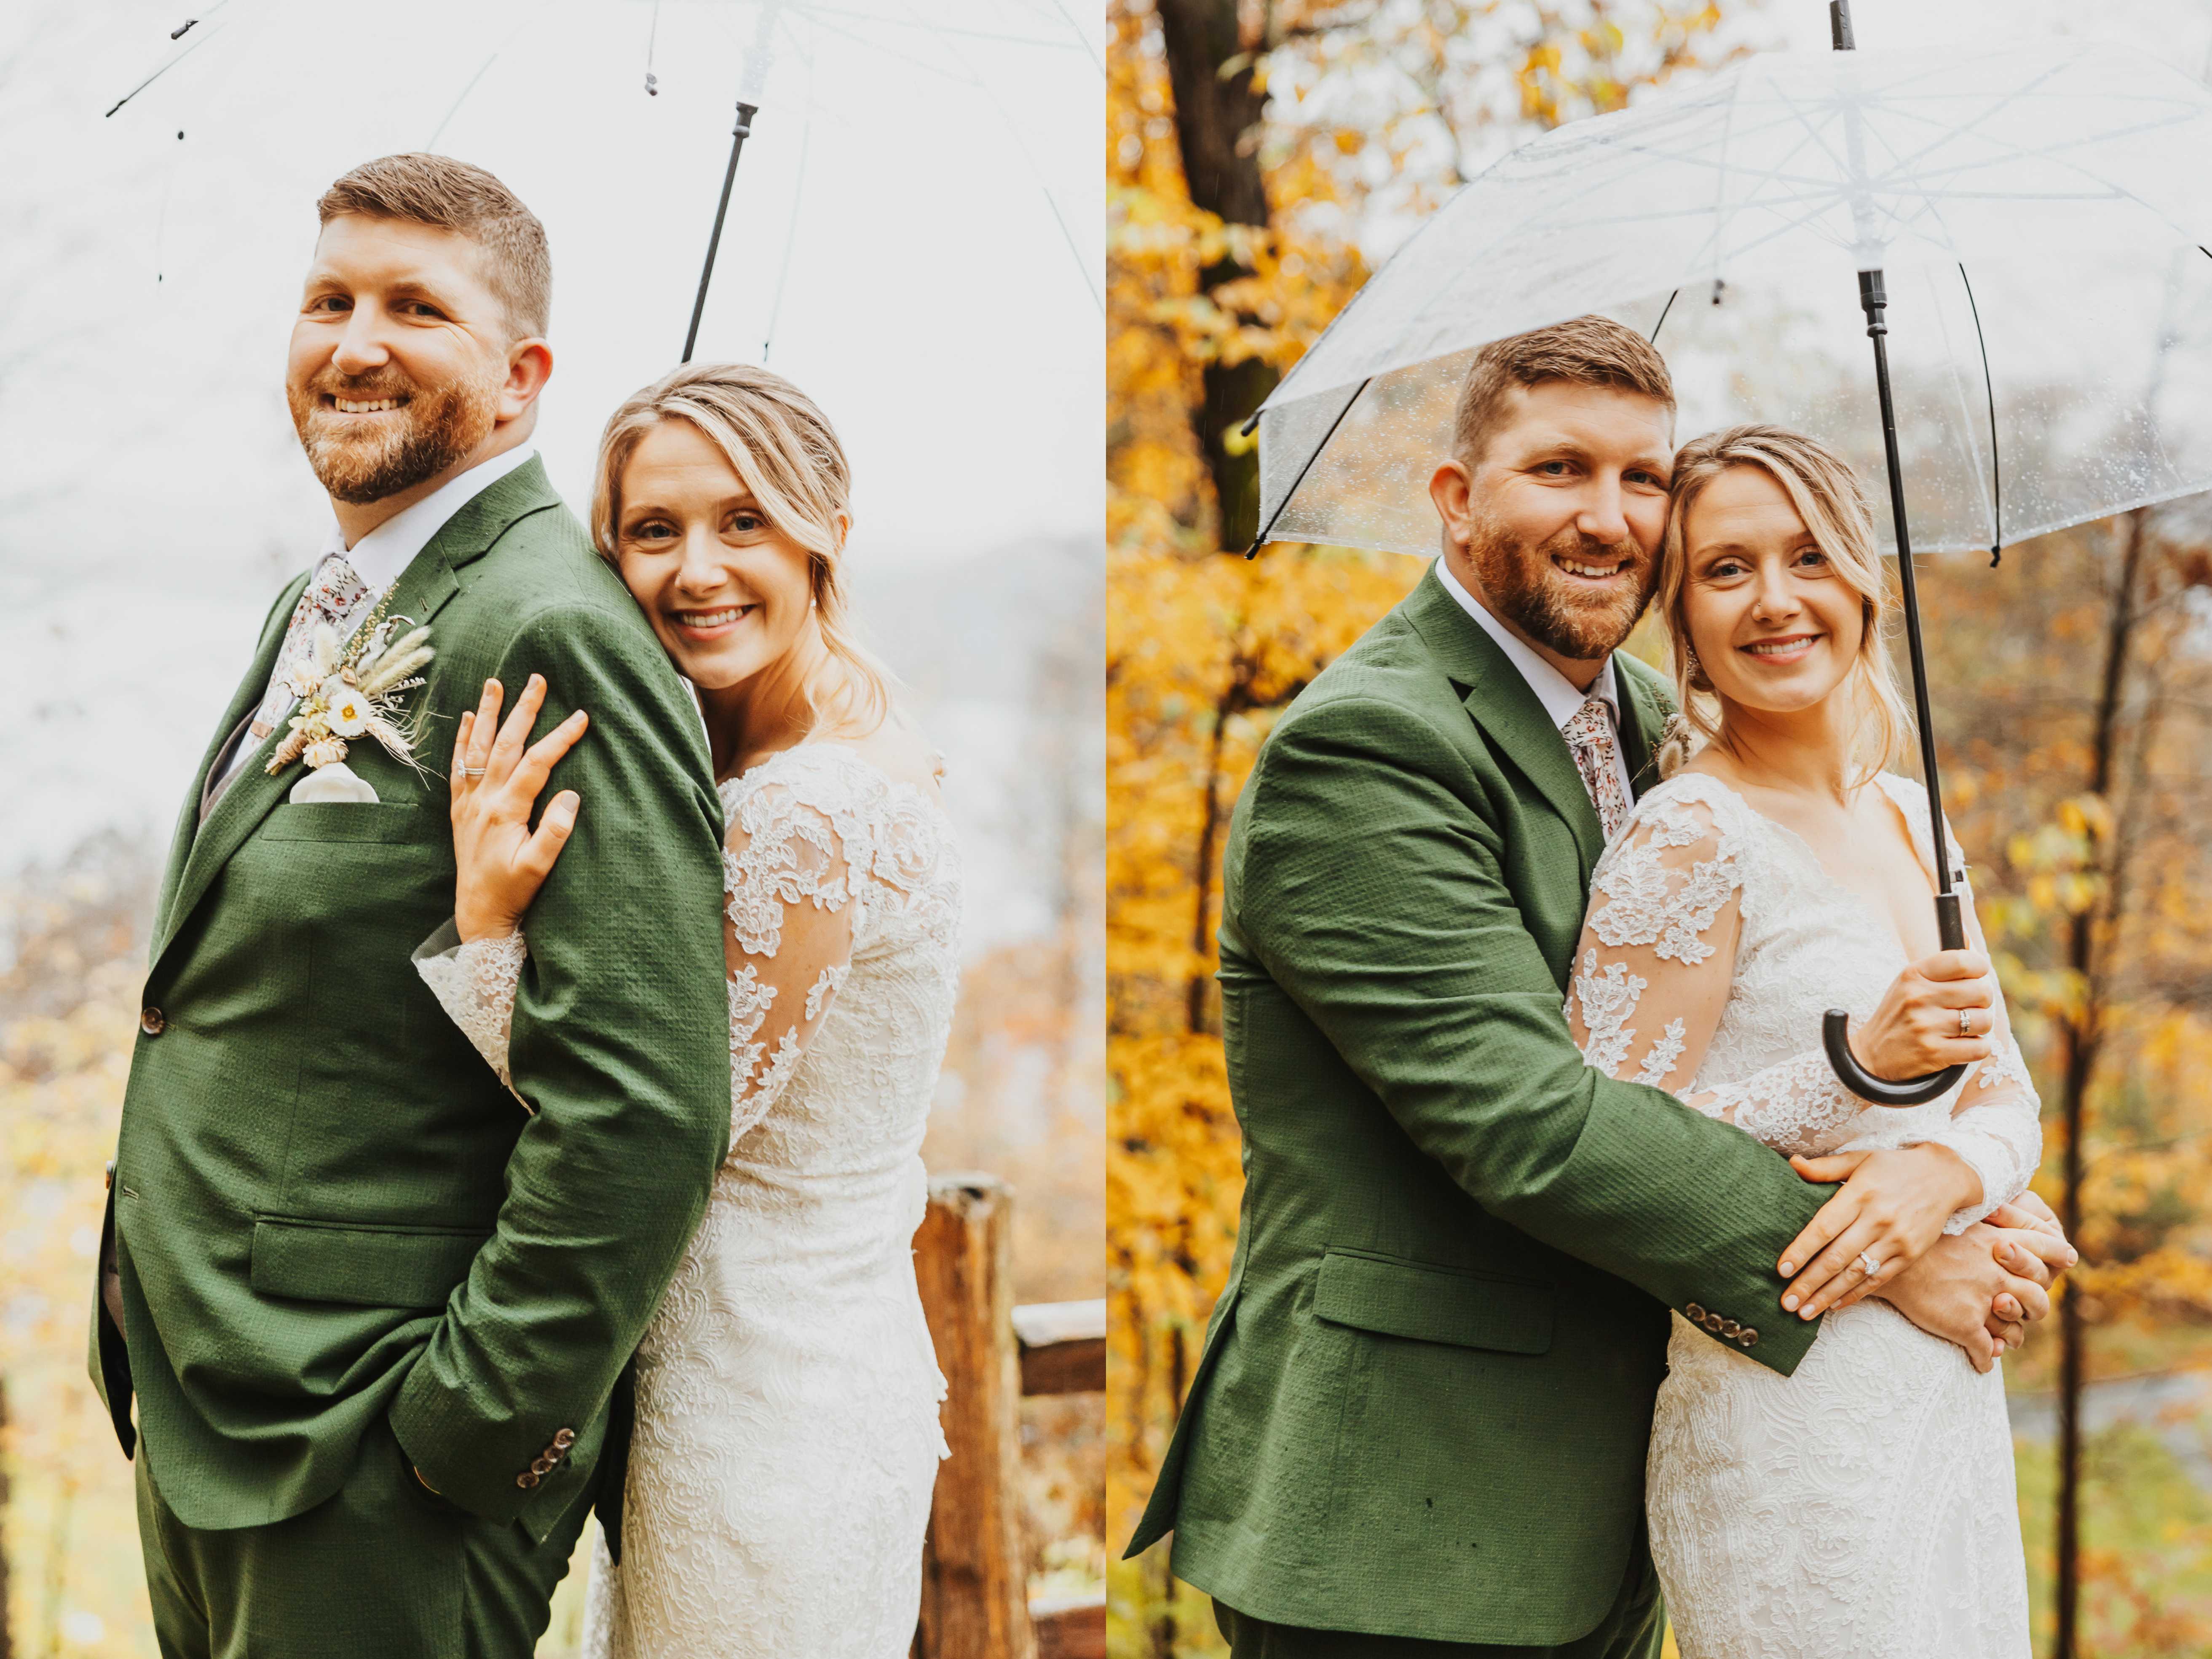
(1980, 1289)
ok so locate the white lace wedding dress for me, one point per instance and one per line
(786, 1437)
(1864, 1507)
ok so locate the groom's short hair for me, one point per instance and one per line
(1594, 351)
(421, 189)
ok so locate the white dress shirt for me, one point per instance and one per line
(1561, 701)
(381, 556)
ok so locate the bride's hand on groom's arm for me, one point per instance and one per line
(1892, 1208)
(499, 861)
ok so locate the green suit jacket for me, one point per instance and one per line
(1426, 1396)
(325, 1206)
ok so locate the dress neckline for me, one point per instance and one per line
(758, 772)
(1883, 925)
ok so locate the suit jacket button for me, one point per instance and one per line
(526, 1480)
(1694, 1313)
(1746, 1336)
(152, 1021)
(564, 1439)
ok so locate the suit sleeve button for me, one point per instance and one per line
(564, 1439)
(526, 1480)
(1729, 1328)
(1694, 1313)
(152, 1021)
(1746, 1336)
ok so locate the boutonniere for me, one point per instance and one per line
(354, 691)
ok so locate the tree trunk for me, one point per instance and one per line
(2082, 1033)
(1215, 114)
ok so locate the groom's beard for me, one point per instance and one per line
(1558, 611)
(429, 432)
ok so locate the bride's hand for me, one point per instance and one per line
(499, 863)
(1891, 1208)
(1916, 1029)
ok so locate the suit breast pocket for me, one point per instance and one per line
(352, 821)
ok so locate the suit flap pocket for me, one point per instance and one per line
(1432, 1303)
(376, 1267)
(345, 820)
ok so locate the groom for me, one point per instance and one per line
(1419, 1424)
(375, 1311)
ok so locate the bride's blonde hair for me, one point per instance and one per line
(1833, 503)
(784, 450)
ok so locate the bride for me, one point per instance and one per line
(787, 1436)
(1864, 1505)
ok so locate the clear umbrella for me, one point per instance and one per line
(2022, 233)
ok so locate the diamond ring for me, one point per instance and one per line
(1966, 1024)
(1868, 1265)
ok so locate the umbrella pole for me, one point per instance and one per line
(1950, 923)
(737, 136)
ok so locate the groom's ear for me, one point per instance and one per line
(1450, 486)
(529, 366)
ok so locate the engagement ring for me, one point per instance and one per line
(1965, 1025)
(1868, 1265)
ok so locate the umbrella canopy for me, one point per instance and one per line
(2040, 212)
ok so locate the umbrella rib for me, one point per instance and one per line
(1997, 477)
(197, 42)
(1290, 495)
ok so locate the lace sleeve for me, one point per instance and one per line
(790, 875)
(475, 984)
(1997, 1116)
(1659, 948)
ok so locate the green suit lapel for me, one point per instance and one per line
(242, 703)
(421, 591)
(1500, 701)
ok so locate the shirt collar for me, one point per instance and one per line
(1561, 701)
(380, 556)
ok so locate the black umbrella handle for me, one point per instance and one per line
(1836, 1028)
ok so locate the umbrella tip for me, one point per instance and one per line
(1246, 430)
(1995, 554)
(652, 84)
(178, 34)
(1253, 552)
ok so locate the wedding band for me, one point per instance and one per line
(479, 771)
(1868, 1265)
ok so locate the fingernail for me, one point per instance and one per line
(1789, 1302)
(1788, 1268)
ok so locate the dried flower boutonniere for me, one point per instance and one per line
(354, 691)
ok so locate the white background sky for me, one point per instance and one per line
(922, 190)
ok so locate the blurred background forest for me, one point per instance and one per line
(142, 534)
(1263, 156)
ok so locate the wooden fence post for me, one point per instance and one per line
(975, 1596)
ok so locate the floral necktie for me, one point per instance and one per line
(1590, 738)
(336, 594)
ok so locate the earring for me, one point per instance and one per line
(1690, 662)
